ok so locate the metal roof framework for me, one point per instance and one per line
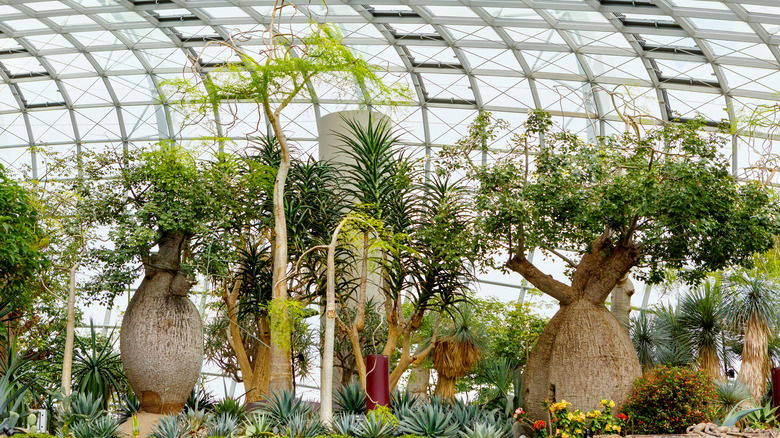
(86, 73)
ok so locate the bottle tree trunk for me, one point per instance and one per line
(161, 340)
(584, 354)
(620, 305)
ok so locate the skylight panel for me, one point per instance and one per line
(24, 66)
(554, 62)
(532, 35)
(688, 105)
(447, 86)
(70, 64)
(51, 126)
(514, 13)
(117, 60)
(451, 11)
(761, 9)
(507, 92)
(26, 25)
(578, 16)
(332, 10)
(721, 25)
(360, 30)
(87, 91)
(45, 6)
(473, 33)
(226, 12)
(700, 72)
(754, 79)
(93, 39)
(165, 58)
(491, 59)
(133, 88)
(7, 11)
(432, 57)
(599, 39)
(739, 49)
(145, 35)
(72, 20)
(448, 125)
(556, 95)
(40, 92)
(49, 42)
(98, 124)
(616, 66)
(121, 17)
(380, 54)
(699, 4)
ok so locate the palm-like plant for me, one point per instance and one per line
(702, 322)
(97, 368)
(644, 339)
(752, 302)
(456, 352)
(673, 348)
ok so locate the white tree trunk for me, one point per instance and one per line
(70, 328)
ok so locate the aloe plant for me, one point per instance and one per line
(301, 425)
(429, 421)
(282, 405)
(258, 425)
(128, 405)
(376, 425)
(103, 426)
(231, 406)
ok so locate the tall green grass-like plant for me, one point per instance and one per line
(97, 368)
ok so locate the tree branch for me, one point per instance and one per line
(545, 283)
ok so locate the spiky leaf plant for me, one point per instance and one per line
(231, 406)
(128, 405)
(402, 400)
(376, 425)
(464, 414)
(97, 367)
(345, 424)
(301, 425)
(103, 426)
(456, 352)
(282, 405)
(481, 430)
(169, 426)
(258, 425)
(702, 320)
(224, 425)
(78, 408)
(731, 393)
(764, 418)
(429, 421)
(194, 420)
(350, 398)
(199, 399)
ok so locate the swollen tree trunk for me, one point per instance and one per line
(161, 340)
(70, 329)
(621, 301)
(583, 354)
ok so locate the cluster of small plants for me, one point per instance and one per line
(669, 399)
(565, 423)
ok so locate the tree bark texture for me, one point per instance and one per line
(756, 365)
(161, 340)
(70, 331)
(584, 354)
(620, 305)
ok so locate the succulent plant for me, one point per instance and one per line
(404, 400)
(429, 421)
(345, 424)
(281, 406)
(128, 405)
(301, 425)
(231, 406)
(481, 430)
(350, 398)
(465, 414)
(258, 425)
(224, 425)
(376, 425)
(103, 426)
(169, 426)
(194, 419)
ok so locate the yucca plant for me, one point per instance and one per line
(258, 425)
(350, 398)
(231, 406)
(345, 424)
(703, 320)
(224, 425)
(456, 352)
(169, 426)
(376, 425)
(731, 393)
(429, 421)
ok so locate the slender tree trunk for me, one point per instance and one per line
(419, 381)
(70, 329)
(281, 373)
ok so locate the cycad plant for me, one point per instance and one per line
(752, 302)
(702, 320)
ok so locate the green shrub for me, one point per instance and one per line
(668, 400)
(34, 435)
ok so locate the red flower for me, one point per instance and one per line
(539, 425)
(622, 416)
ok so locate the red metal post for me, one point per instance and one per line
(775, 387)
(377, 381)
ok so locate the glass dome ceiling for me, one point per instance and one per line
(85, 73)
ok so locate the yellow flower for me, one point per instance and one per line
(607, 427)
(617, 429)
(596, 414)
(552, 407)
(578, 431)
(603, 402)
(564, 435)
(611, 404)
(570, 416)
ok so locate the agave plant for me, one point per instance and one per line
(169, 426)
(402, 400)
(731, 393)
(345, 424)
(376, 425)
(103, 426)
(465, 414)
(300, 425)
(481, 430)
(224, 425)
(78, 408)
(429, 421)
(231, 406)
(199, 399)
(350, 398)
(282, 405)
(194, 420)
(258, 425)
